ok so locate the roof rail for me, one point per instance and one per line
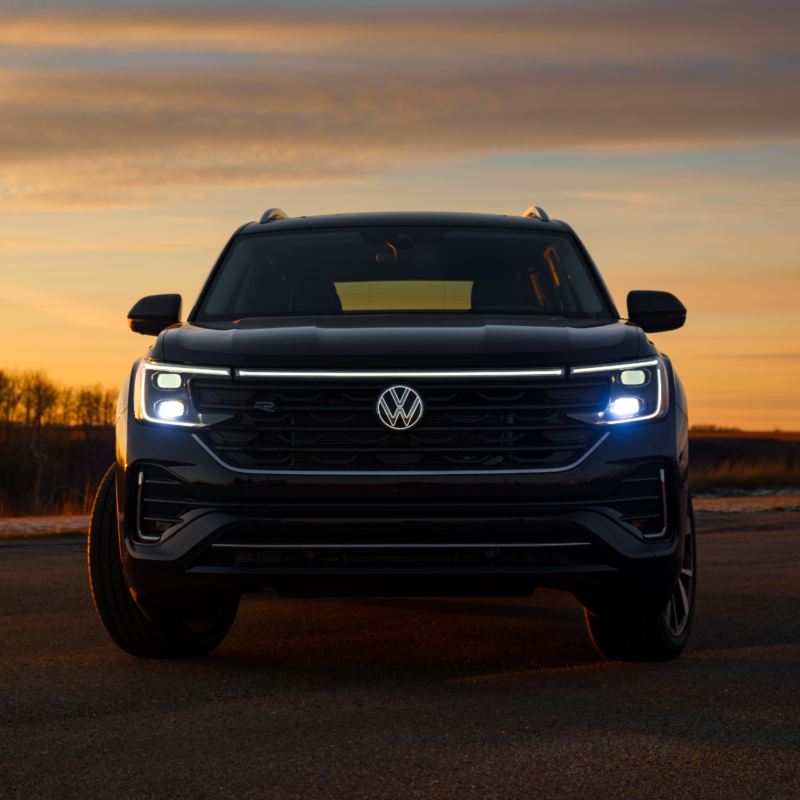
(536, 212)
(271, 214)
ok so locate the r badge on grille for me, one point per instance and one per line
(399, 407)
(266, 405)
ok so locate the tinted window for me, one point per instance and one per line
(375, 270)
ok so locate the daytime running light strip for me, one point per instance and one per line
(389, 375)
(653, 362)
(159, 367)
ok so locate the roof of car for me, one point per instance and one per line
(406, 218)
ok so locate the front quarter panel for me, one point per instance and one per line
(123, 423)
(681, 411)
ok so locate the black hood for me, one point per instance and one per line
(392, 343)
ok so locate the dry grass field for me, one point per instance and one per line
(744, 460)
(775, 474)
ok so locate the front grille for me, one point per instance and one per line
(320, 424)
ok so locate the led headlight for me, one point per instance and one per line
(170, 409)
(638, 391)
(624, 407)
(162, 394)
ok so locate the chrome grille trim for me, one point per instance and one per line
(400, 473)
(663, 532)
(400, 546)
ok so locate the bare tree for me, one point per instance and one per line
(55, 442)
(39, 398)
(108, 412)
(10, 395)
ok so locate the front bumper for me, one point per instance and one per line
(462, 534)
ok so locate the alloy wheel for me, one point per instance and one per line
(679, 605)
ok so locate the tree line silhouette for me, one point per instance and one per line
(55, 443)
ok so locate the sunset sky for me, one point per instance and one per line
(134, 140)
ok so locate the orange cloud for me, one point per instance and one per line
(574, 30)
(84, 137)
(323, 96)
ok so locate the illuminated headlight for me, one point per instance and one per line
(634, 377)
(170, 409)
(638, 391)
(163, 394)
(624, 407)
(167, 380)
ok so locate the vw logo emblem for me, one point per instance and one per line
(399, 408)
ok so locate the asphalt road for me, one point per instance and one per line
(409, 698)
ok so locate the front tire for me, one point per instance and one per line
(146, 636)
(623, 633)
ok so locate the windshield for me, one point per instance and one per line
(335, 271)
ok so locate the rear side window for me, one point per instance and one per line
(402, 270)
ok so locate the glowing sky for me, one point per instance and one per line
(134, 140)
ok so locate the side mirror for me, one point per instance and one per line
(656, 311)
(154, 313)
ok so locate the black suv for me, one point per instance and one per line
(398, 404)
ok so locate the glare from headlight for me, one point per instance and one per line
(624, 407)
(170, 409)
